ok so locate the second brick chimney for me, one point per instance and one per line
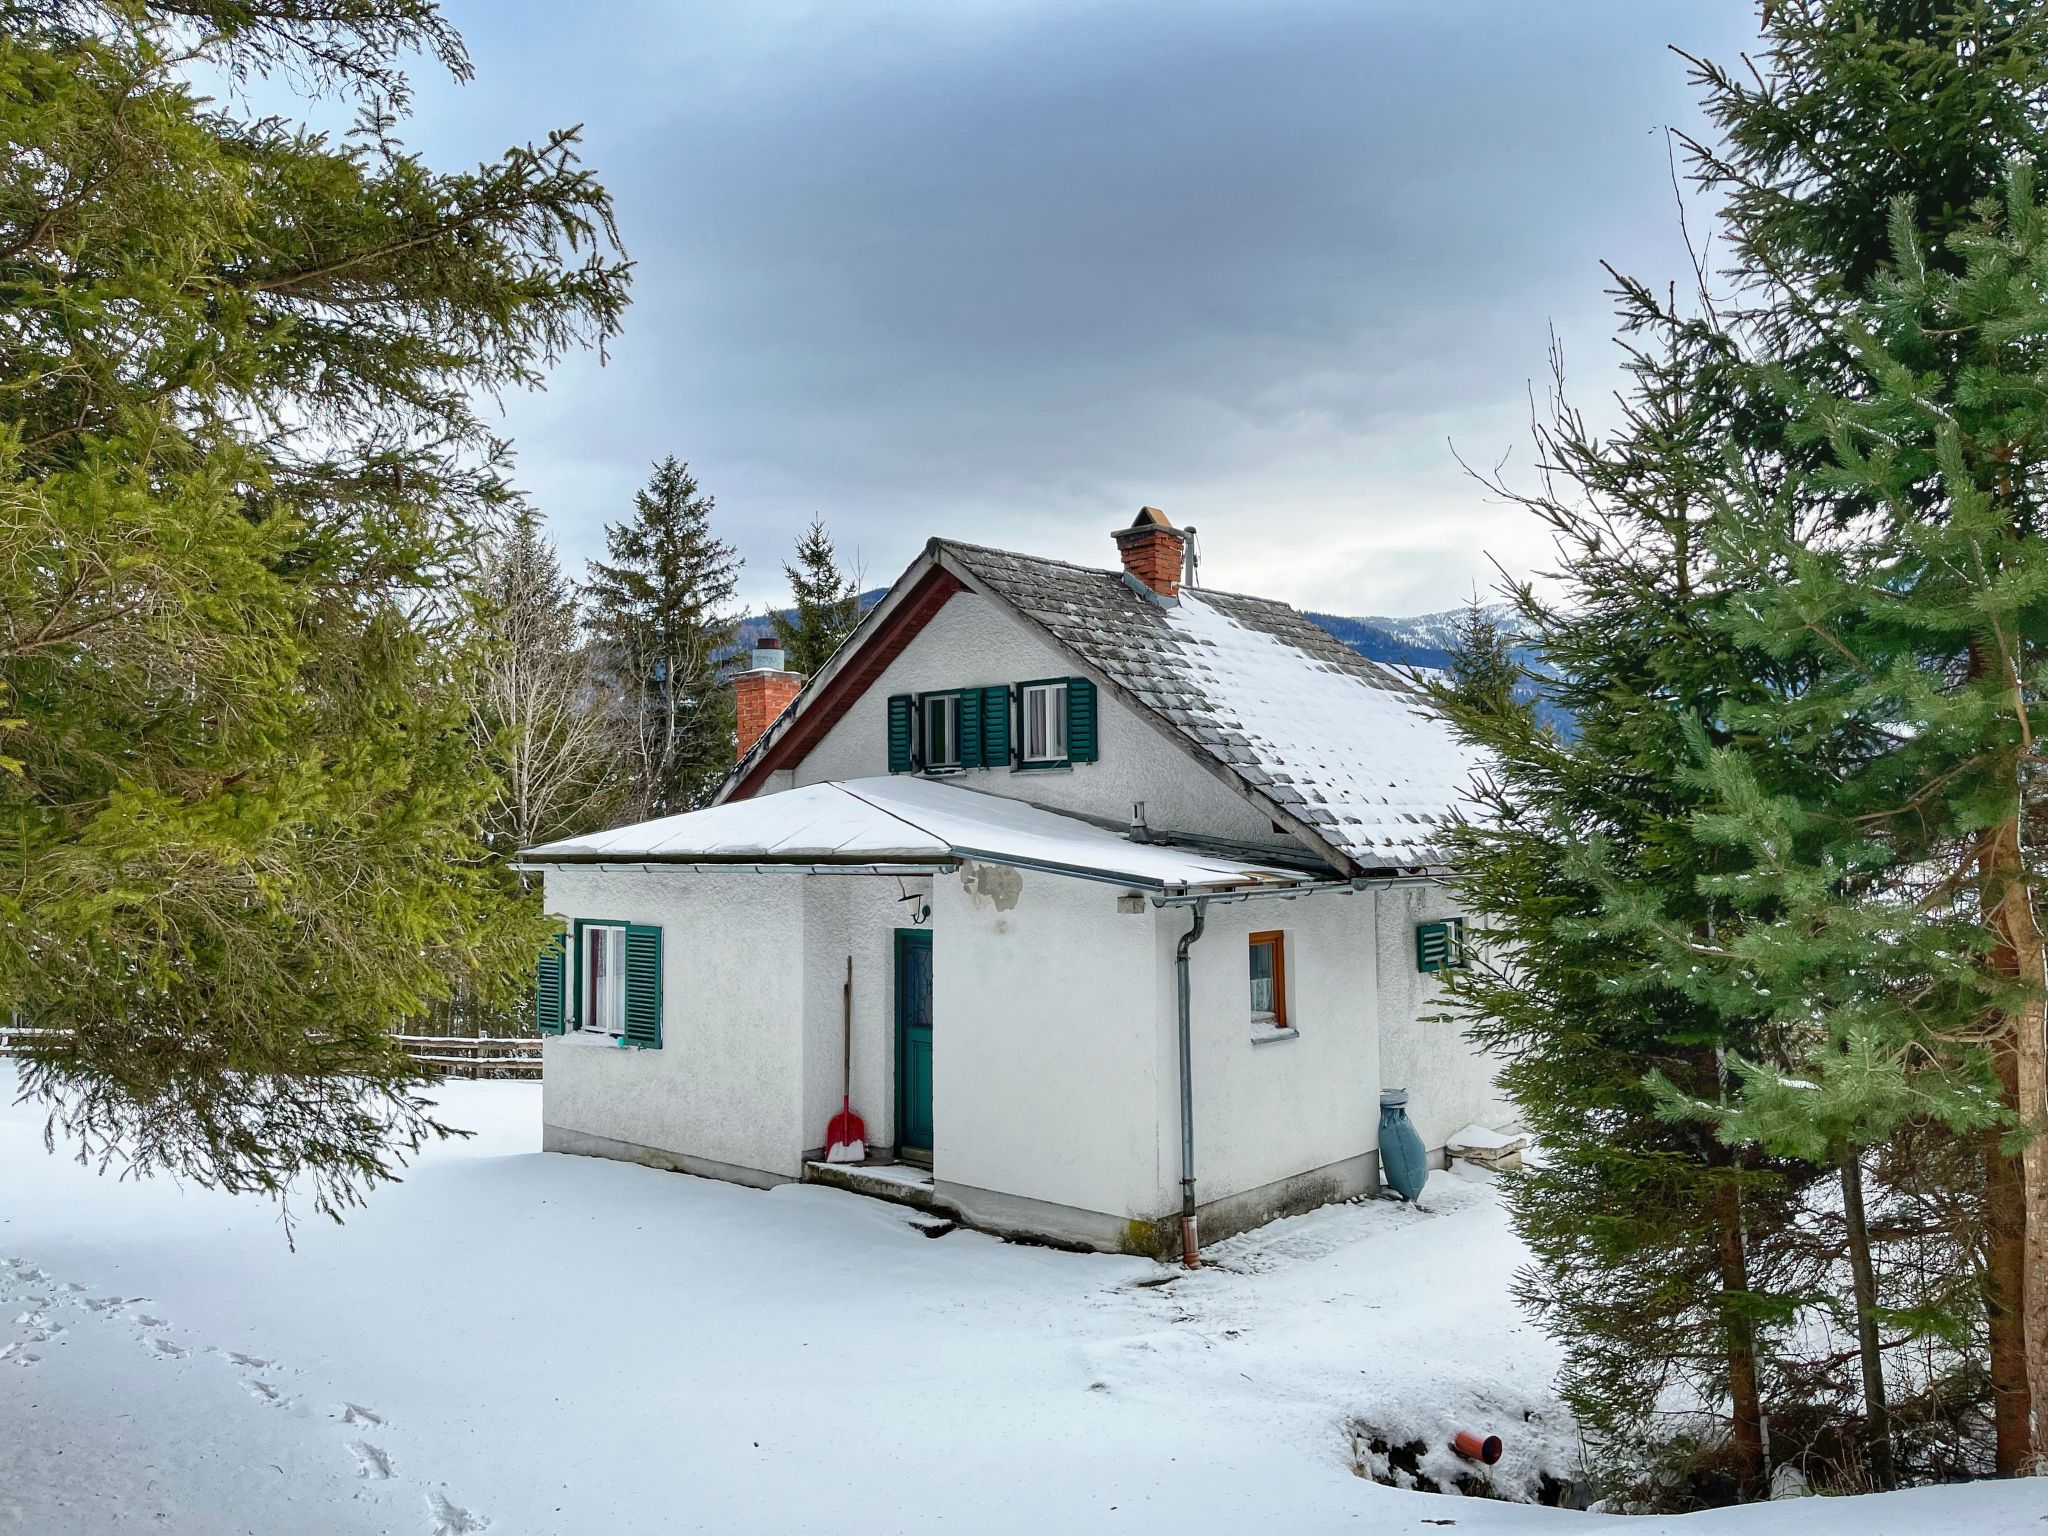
(763, 691)
(1152, 549)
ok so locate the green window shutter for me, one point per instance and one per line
(1080, 720)
(970, 728)
(1440, 946)
(549, 985)
(995, 727)
(902, 733)
(643, 986)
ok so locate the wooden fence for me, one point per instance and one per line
(468, 1056)
(473, 1057)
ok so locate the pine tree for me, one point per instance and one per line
(239, 462)
(827, 604)
(661, 618)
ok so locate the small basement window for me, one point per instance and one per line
(1269, 980)
(941, 731)
(1045, 722)
(604, 980)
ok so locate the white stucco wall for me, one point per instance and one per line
(1450, 1085)
(1270, 1110)
(727, 1084)
(972, 643)
(1055, 1067)
(1044, 1049)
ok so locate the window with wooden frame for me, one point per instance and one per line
(941, 734)
(601, 1010)
(1269, 980)
(1042, 715)
(613, 983)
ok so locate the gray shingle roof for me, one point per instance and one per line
(1337, 741)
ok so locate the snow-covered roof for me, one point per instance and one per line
(893, 821)
(1338, 742)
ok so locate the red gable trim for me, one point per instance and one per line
(819, 714)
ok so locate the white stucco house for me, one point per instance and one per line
(1139, 890)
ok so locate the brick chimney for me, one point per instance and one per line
(763, 691)
(1152, 549)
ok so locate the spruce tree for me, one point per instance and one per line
(1826, 232)
(241, 464)
(1853, 802)
(661, 618)
(1913, 597)
(826, 604)
(1663, 1257)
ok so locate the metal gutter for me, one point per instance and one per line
(1195, 896)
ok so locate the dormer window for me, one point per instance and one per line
(1045, 723)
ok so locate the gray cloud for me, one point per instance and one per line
(1005, 271)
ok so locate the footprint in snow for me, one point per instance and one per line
(355, 1413)
(18, 1354)
(263, 1392)
(152, 1322)
(169, 1348)
(453, 1519)
(374, 1463)
(250, 1361)
(112, 1303)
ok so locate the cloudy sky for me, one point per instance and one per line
(1005, 271)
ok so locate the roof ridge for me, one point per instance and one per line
(1116, 575)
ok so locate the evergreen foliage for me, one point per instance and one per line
(826, 604)
(240, 463)
(1799, 617)
(660, 612)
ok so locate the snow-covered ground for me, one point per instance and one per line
(527, 1343)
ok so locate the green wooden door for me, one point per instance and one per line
(914, 1039)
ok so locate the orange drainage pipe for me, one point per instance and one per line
(1480, 1448)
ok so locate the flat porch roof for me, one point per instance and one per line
(901, 823)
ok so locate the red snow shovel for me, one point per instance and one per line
(846, 1138)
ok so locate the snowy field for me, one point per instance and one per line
(515, 1342)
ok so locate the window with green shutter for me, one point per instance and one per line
(902, 733)
(1080, 720)
(995, 726)
(967, 716)
(550, 985)
(643, 986)
(617, 981)
(1440, 946)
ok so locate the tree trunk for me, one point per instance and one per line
(1745, 1397)
(1877, 1427)
(2017, 1187)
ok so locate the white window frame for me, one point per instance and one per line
(950, 703)
(591, 1009)
(1055, 696)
